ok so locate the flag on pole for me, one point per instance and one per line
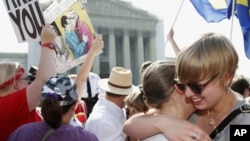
(212, 10)
(243, 14)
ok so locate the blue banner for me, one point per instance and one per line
(243, 14)
(212, 10)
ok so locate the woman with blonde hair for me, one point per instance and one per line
(18, 100)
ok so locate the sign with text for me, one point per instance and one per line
(27, 19)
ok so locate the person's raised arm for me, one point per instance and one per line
(170, 38)
(85, 68)
(46, 67)
(142, 126)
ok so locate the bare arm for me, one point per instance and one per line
(46, 68)
(135, 126)
(172, 41)
(142, 126)
(86, 66)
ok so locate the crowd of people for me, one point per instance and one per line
(184, 99)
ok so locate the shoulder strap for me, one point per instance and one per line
(47, 134)
(245, 108)
(89, 88)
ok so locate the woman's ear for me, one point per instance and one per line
(228, 79)
(15, 85)
(178, 90)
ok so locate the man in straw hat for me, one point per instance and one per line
(107, 118)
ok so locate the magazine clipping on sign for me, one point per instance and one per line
(74, 30)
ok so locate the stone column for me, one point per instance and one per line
(126, 50)
(112, 49)
(96, 65)
(140, 48)
(152, 48)
(34, 52)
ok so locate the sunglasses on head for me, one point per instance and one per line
(195, 88)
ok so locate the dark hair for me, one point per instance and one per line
(239, 84)
(144, 65)
(64, 21)
(114, 95)
(158, 81)
(136, 100)
(52, 112)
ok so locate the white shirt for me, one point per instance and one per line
(93, 80)
(106, 121)
(75, 122)
(157, 137)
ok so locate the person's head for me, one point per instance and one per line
(158, 83)
(72, 17)
(64, 21)
(58, 97)
(73, 76)
(118, 85)
(12, 76)
(144, 65)
(135, 103)
(241, 85)
(206, 68)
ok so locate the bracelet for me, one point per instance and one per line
(48, 45)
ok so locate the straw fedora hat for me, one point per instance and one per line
(119, 82)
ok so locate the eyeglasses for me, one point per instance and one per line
(196, 88)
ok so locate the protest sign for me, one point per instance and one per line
(27, 19)
(74, 32)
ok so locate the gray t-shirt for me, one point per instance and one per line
(241, 119)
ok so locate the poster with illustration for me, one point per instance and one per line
(74, 29)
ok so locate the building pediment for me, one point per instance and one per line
(117, 8)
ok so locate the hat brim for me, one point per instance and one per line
(103, 84)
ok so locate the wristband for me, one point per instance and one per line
(48, 45)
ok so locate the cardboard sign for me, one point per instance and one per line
(27, 19)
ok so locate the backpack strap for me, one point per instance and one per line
(47, 134)
(245, 108)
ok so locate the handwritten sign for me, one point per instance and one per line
(27, 19)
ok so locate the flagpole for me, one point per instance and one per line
(232, 20)
(175, 20)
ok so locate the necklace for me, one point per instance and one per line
(211, 120)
